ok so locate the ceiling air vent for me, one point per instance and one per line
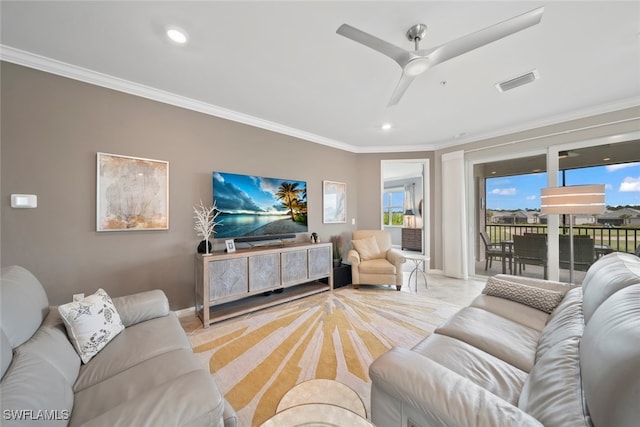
(513, 83)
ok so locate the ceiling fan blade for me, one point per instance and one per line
(394, 52)
(401, 88)
(485, 36)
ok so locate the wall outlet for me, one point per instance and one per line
(353, 221)
(78, 297)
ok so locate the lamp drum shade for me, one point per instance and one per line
(572, 199)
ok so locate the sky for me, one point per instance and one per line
(234, 193)
(622, 186)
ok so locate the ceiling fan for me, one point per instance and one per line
(414, 63)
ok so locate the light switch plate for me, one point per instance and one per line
(24, 201)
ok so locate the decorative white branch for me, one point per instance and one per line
(206, 221)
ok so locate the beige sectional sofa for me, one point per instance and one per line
(146, 376)
(499, 362)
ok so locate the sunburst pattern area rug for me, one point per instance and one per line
(257, 358)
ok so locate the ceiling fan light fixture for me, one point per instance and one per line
(416, 66)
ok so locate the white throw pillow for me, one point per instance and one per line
(91, 323)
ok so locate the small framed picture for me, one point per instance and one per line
(231, 245)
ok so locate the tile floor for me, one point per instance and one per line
(455, 291)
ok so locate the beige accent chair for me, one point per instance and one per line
(373, 262)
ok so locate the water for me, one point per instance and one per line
(242, 224)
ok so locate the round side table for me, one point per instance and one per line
(418, 259)
(319, 403)
(316, 414)
(325, 392)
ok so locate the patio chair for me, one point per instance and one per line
(583, 252)
(530, 249)
(492, 250)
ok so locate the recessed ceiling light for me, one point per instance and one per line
(606, 159)
(386, 126)
(177, 35)
(460, 135)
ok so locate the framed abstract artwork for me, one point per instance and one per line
(334, 199)
(132, 193)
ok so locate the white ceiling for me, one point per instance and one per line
(281, 65)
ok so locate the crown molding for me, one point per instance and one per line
(42, 63)
(627, 103)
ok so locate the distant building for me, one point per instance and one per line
(512, 217)
(619, 217)
(586, 219)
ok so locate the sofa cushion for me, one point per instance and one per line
(553, 390)
(611, 273)
(519, 313)
(192, 400)
(51, 340)
(565, 322)
(91, 323)
(367, 248)
(23, 305)
(405, 384)
(133, 383)
(507, 340)
(541, 299)
(134, 345)
(487, 371)
(610, 360)
(43, 372)
(33, 385)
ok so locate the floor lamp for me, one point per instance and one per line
(571, 200)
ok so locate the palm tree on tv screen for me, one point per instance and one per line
(289, 193)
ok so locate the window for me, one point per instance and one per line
(393, 207)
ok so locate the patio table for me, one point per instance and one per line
(507, 248)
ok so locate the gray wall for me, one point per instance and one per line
(52, 128)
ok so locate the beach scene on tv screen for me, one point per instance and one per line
(258, 206)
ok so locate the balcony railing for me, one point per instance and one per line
(619, 239)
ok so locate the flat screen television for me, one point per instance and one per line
(255, 208)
